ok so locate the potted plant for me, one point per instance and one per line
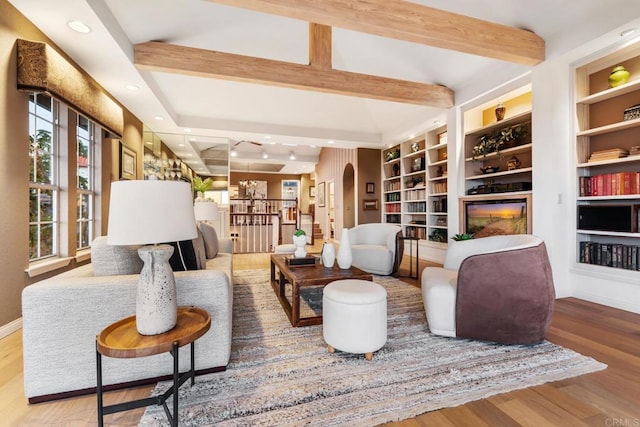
(200, 185)
(493, 142)
(465, 236)
(438, 235)
(300, 240)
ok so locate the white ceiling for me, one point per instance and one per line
(223, 111)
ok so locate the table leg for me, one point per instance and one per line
(176, 385)
(193, 364)
(99, 388)
(295, 302)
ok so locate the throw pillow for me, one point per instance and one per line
(188, 254)
(183, 257)
(210, 239)
(110, 260)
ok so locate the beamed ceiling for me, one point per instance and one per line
(298, 75)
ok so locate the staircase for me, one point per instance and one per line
(317, 231)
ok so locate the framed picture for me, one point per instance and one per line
(320, 195)
(127, 162)
(312, 191)
(371, 188)
(370, 205)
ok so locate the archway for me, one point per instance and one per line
(348, 197)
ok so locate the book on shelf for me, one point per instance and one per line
(610, 184)
(614, 255)
(611, 154)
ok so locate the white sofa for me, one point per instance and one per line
(63, 314)
(373, 247)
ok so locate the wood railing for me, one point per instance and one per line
(259, 225)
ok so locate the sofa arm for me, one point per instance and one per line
(63, 315)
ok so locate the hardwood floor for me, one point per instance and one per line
(609, 398)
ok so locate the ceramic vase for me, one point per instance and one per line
(619, 76)
(328, 254)
(300, 242)
(156, 297)
(344, 251)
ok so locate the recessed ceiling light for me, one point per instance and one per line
(330, 142)
(289, 144)
(628, 32)
(181, 145)
(292, 156)
(192, 139)
(233, 152)
(132, 88)
(79, 27)
(187, 130)
(265, 155)
(159, 118)
(312, 146)
(267, 137)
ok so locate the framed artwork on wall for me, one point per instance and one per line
(312, 191)
(320, 195)
(127, 162)
(370, 205)
(371, 188)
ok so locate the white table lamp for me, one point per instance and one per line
(149, 213)
(205, 211)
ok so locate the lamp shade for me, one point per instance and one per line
(146, 212)
(206, 211)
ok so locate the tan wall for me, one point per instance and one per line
(372, 158)
(14, 164)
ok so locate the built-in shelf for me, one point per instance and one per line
(506, 152)
(614, 127)
(504, 173)
(628, 159)
(608, 233)
(630, 86)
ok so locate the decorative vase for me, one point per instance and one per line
(328, 254)
(300, 242)
(500, 110)
(619, 76)
(344, 251)
(156, 297)
(513, 163)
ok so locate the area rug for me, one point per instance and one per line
(283, 376)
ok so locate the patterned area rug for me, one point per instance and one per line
(283, 376)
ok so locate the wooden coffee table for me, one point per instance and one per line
(307, 276)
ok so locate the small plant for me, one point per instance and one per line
(200, 185)
(299, 233)
(465, 236)
(494, 141)
(438, 235)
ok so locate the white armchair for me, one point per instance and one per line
(373, 247)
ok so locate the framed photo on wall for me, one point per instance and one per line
(370, 205)
(312, 191)
(320, 195)
(371, 188)
(127, 162)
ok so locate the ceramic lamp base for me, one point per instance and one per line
(156, 299)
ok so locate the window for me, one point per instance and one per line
(43, 185)
(85, 173)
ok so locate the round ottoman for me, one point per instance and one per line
(354, 316)
(285, 249)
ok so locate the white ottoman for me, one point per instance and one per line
(285, 249)
(354, 316)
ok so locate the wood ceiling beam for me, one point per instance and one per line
(156, 56)
(411, 22)
(320, 46)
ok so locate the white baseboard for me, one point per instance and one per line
(10, 328)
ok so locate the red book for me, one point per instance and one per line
(594, 185)
(607, 185)
(613, 191)
(626, 183)
(600, 185)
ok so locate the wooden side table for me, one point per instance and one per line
(121, 339)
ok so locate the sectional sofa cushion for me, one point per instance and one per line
(110, 260)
